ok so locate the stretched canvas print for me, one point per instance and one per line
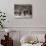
(23, 11)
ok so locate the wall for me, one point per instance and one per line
(37, 23)
(38, 17)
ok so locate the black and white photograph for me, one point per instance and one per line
(23, 11)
